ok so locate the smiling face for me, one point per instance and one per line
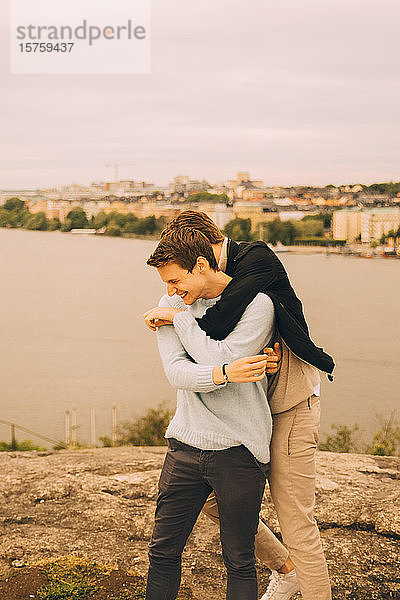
(190, 286)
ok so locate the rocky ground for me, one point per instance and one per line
(100, 503)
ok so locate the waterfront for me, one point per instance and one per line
(72, 331)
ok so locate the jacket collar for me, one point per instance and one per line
(237, 251)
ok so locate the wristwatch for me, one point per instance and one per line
(225, 374)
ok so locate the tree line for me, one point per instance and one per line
(15, 213)
(310, 228)
(391, 188)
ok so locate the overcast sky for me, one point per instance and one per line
(294, 91)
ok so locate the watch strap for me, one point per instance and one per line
(224, 373)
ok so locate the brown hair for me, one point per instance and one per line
(183, 247)
(195, 220)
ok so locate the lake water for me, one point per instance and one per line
(72, 332)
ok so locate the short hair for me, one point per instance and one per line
(183, 247)
(195, 220)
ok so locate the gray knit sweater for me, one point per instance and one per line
(209, 416)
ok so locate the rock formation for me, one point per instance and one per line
(100, 503)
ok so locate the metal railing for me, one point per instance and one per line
(14, 426)
(70, 430)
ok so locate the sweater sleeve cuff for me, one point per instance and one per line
(205, 382)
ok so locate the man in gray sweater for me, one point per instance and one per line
(219, 436)
(293, 396)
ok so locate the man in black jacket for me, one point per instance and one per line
(293, 394)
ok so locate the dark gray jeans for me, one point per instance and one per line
(187, 478)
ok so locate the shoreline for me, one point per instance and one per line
(297, 249)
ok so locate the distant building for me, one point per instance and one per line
(371, 198)
(219, 212)
(243, 176)
(257, 212)
(243, 183)
(365, 224)
(346, 225)
(180, 180)
(184, 185)
(284, 202)
(280, 192)
(293, 215)
(377, 222)
(354, 189)
(250, 192)
(25, 195)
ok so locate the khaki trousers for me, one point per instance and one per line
(292, 484)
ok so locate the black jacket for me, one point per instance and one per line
(255, 268)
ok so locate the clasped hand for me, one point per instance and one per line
(254, 368)
(159, 316)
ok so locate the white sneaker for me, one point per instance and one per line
(282, 586)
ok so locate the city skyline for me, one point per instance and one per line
(168, 185)
(296, 93)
